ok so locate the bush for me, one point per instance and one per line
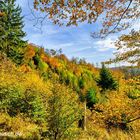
(18, 127)
(22, 93)
(42, 66)
(15, 100)
(134, 94)
(91, 98)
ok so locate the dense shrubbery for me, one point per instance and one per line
(20, 94)
(25, 94)
(33, 92)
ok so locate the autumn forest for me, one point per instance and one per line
(44, 95)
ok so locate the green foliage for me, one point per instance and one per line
(42, 66)
(36, 59)
(134, 93)
(21, 93)
(57, 108)
(81, 83)
(63, 113)
(69, 78)
(133, 87)
(91, 98)
(11, 32)
(17, 100)
(106, 80)
(31, 64)
(45, 76)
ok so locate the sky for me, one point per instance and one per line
(74, 41)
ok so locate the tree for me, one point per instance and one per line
(11, 30)
(106, 80)
(91, 98)
(63, 113)
(81, 83)
(128, 47)
(117, 14)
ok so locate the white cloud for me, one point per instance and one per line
(105, 45)
(136, 25)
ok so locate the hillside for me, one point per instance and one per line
(49, 81)
(46, 96)
(129, 71)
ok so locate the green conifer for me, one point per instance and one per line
(106, 81)
(91, 98)
(11, 30)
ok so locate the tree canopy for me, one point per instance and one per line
(128, 47)
(116, 14)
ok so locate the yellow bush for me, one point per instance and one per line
(18, 126)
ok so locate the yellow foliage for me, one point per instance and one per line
(29, 52)
(18, 125)
(111, 104)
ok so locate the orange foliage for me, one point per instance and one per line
(54, 62)
(29, 52)
(1, 14)
(44, 57)
(24, 68)
(77, 71)
(63, 57)
(73, 12)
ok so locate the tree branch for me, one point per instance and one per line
(121, 17)
(134, 119)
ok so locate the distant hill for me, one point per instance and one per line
(128, 71)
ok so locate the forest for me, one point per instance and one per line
(44, 95)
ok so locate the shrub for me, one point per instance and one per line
(91, 98)
(16, 100)
(134, 93)
(22, 93)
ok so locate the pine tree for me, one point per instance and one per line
(106, 80)
(11, 30)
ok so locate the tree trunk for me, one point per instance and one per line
(85, 117)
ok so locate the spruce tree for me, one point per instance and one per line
(106, 81)
(11, 30)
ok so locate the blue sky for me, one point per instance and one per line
(74, 41)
